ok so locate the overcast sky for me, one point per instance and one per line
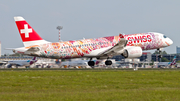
(89, 19)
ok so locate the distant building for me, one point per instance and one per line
(147, 56)
(178, 49)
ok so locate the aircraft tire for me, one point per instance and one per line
(91, 63)
(160, 56)
(108, 62)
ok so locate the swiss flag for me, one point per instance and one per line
(27, 33)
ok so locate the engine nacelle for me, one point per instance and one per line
(132, 52)
(9, 66)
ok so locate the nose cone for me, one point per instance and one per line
(169, 42)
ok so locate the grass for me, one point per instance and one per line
(96, 85)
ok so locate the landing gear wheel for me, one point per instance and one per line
(108, 62)
(91, 63)
(159, 51)
(160, 56)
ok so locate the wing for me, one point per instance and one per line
(117, 49)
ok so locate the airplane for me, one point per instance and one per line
(78, 63)
(129, 46)
(168, 64)
(44, 64)
(17, 63)
(75, 64)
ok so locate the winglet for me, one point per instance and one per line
(121, 36)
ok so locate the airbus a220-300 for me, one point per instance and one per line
(129, 46)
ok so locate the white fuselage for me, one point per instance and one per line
(94, 47)
(20, 62)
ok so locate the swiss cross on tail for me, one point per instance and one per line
(26, 31)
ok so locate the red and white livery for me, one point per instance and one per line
(130, 46)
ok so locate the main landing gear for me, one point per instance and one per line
(92, 63)
(108, 62)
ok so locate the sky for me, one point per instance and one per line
(89, 19)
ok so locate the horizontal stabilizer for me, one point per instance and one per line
(34, 49)
(10, 48)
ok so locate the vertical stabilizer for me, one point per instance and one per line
(174, 61)
(28, 35)
(33, 61)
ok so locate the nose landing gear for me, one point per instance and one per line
(159, 51)
(92, 63)
(159, 54)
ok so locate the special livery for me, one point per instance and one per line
(130, 46)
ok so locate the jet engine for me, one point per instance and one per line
(9, 66)
(132, 52)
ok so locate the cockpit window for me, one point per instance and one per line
(164, 36)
